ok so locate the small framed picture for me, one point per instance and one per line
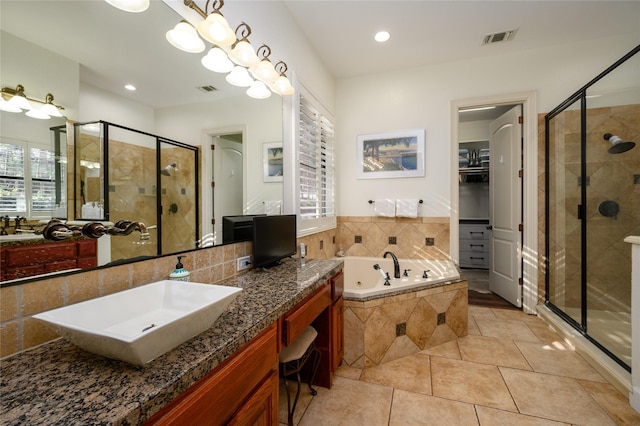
(272, 159)
(391, 155)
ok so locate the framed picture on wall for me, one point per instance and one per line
(272, 159)
(394, 154)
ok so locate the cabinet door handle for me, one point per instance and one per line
(476, 232)
(477, 258)
(476, 245)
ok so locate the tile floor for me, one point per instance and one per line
(510, 370)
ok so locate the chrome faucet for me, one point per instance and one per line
(396, 265)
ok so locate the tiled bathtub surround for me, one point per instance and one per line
(419, 238)
(384, 329)
(18, 331)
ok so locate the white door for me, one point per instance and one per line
(227, 175)
(505, 206)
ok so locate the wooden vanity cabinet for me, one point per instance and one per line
(22, 261)
(337, 320)
(243, 390)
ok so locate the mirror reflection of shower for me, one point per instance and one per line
(169, 170)
(617, 145)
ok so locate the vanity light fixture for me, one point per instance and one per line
(134, 6)
(15, 100)
(215, 28)
(239, 76)
(265, 71)
(242, 52)
(282, 86)
(217, 60)
(184, 37)
(19, 99)
(258, 90)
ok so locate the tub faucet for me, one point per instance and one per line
(396, 265)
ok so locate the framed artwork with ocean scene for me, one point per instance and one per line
(391, 155)
(272, 159)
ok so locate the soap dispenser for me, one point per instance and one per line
(179, 274)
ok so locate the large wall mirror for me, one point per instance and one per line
(85, 52)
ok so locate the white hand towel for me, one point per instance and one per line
(273, 207)
(385, 207)
(407, 207)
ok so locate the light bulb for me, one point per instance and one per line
(243, 54)
(282, 86)
(265, 71)
(215, 29)
(36, 113)
(8, 106)
(130, 5)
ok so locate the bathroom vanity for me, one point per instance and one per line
(229, 373)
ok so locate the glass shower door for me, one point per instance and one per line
(564, 226)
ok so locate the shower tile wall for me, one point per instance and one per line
(178, 189)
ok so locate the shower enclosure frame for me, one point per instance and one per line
(159, 140)
(581, 97)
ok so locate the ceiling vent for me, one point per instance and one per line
(499, 37)
(207, 89)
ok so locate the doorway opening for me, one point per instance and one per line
(494, 238)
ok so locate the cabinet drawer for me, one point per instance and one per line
(304, 313)
(474, 232)
(474, 246)
(474, 260)
(40, 253)
(337, 286)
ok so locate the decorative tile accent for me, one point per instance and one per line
(392, 240)
(358, 239)
(391, 327)
(429, 241)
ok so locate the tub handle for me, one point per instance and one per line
(424, 273)
(406, 273)
(386, 280)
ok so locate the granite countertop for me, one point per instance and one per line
(58, 383)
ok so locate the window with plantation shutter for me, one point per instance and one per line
(316, 167)
(27, 180)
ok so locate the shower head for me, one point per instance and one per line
(167, 170)
(617, 145)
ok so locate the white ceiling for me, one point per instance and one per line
(116, 47)
(432, 32)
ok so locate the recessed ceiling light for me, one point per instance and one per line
(382, 36)
(130, 87)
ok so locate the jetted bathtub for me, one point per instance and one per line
(363, 281)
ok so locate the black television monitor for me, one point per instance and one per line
(237, 228)
(274, 238)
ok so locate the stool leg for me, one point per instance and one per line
(289, 412)
(316, 363)
(295, 400)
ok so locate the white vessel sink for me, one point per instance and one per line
(142, 323)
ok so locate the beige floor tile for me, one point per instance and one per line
(481, 312)
(492, 417)
(517, 315)
(411, 373)
(303, 401)
(416, 409)
(470, 382)
(613, 402)
(493, 351)
(472, 326)
(348, 372)
(559, 360)
(543, 332)
(349, 402)
(445, 350)
(553, 397)
(506, 329)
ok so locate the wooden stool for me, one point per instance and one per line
(292, 360)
